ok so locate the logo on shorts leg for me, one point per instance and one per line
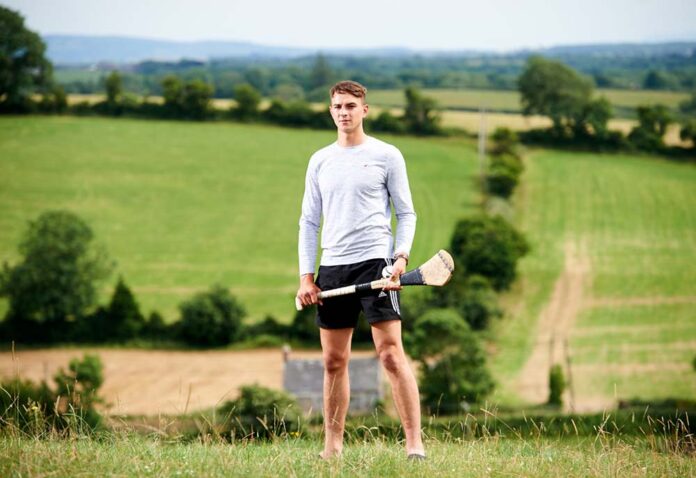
(381, 294)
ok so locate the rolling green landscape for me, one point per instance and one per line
(509, 100)
(182, 206)
(630, 220)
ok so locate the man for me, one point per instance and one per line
(350, 184)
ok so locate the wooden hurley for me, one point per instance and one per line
(437, 271)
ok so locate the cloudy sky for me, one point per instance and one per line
(426, 24)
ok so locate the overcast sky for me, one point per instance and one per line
(426, 24)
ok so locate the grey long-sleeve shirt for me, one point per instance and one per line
(351, 188)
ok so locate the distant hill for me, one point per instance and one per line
(74, 50)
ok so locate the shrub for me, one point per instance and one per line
(124, 320)
(505, 141)
(248, 99)
(37, 409)
(556, 385)
(490, 247)
(260, 412)
(211, 318)
(155, 328)
(387, 123)
(501, 180)
(268, 326)
(472, 297)
(304, 326)
(453, 370)
(509, 161)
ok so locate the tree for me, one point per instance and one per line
(655, 80)
(23, 65)
(172, 91)
(196, 99)
(321, 73)
(552, 89)
(689, 106)
(114, 88)
(211, 318)
(652, 126)
(490, 247)
(557, 385)
(453, 369)
(420, 115)
(57, 277)
(688, 132)
(248, 100)
(124, 319)
(186, 100)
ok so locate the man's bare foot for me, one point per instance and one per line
(328, 454)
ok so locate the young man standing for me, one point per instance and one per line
(350, 184)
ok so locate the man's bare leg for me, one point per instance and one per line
(387, 338)
(335, 345)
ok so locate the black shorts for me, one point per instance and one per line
(343, 311)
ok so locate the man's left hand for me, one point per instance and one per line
(398, 268)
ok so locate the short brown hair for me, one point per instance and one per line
(351, 87)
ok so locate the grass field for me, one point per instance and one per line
(632, 221)
(181, 205)
(137, 456)
(502, 100)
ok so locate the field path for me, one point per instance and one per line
(554, 326)
(150, 382)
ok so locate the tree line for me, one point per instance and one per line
(547, 87)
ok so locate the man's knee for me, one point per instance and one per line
(391, 357)
(335, 362)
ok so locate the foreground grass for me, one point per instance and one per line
(141, 456)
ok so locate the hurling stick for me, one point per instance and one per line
(436, 271)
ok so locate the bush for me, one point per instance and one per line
(268, 326)
(260, 412)
(304, 326)
(489, 247)
(124, 320)
(509, 161)
(387, 123)
(155, 328)
(37, 409)
(501, 180)
(556, 385)
(211, 318)
(453, 371)
(248, 99)
(505, 141)
(472, 297)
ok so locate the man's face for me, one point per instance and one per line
(347, 111)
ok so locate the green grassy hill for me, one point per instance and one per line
(181, 206)
(630, 223)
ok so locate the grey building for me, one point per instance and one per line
(304, 379)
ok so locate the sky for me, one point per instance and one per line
(499, 25)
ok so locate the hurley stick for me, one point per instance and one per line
(437, 271)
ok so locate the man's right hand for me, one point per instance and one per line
(307, 293)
